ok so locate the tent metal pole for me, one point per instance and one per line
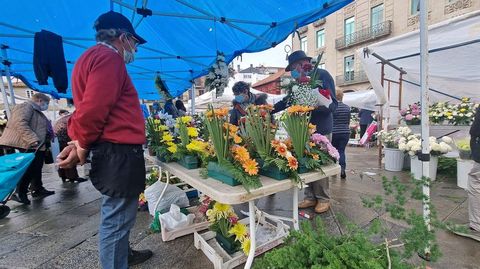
(425, 156)
(5, 98)
(192, 100)
(6, 64)
(380, 122)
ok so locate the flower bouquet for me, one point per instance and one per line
(463, 113)
(296, 123)
(230, 233)
(217, 77)
(464, 150)
(412, 115)
(152, 126)
(234, 165)
(307, 91)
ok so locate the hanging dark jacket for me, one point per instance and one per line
(49, 60)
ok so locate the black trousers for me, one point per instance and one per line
(33, 175)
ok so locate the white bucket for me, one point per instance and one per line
(416, 168)
(393, 159)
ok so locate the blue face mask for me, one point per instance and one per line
(295, 74)
(239, 98)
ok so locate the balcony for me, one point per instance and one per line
(364, 35)
(352, 77)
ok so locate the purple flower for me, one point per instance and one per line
(319, 139)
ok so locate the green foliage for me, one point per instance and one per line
(313, 247)
(447, 166)
(248, 182)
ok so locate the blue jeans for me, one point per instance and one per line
(117, 218)
(340, 141)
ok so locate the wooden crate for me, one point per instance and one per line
(173, 234)
(222, 260)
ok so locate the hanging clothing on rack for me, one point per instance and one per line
(49, 60)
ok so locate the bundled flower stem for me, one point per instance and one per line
(259, 129)
(296, 123)
(215, 121)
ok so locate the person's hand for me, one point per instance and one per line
(68, 158)
(81, 152)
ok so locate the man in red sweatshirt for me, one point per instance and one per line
(108, 122)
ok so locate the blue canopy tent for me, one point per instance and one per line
(183, 35)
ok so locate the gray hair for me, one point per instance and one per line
(108, 35)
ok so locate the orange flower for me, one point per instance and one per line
(311, 144)
(275, 143)
(237, 139)
(240, 153)
(292, 163)
(315, 156)
(312, 128)
(282, 149)
(266, 107)
(250, 167)
(221, 112)
(288, 143)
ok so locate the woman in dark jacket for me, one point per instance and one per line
(61, 133)
(244, 98)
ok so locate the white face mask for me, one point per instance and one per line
(128, 54)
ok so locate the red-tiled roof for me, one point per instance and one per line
(271, 78)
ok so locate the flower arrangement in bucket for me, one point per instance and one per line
(152, 126)
(231, 234)
(463, 113)
(233, 161)
(412, 114)
(464, 150)
(276, 159)
(296, 123)
(190, 147)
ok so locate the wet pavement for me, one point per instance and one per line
(60, 231)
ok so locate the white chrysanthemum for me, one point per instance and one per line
(411, 153)
(447, 139)
(402, 146)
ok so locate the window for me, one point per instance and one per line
(321, 38)
(414, 6)
(303, 44)
(349, 30)
(348, 67)
(376, 16)
(29, 93)
(247, 76)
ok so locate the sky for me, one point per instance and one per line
(275, 57)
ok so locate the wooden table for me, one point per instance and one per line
(233, 195)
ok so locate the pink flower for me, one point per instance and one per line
(233, 220)
(307, 67)
(203, 209)
(409, 117)
(403, 112)
(318, 139)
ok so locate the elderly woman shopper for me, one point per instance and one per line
(26, 130)
(60, 129)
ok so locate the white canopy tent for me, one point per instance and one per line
(361, 99)
(454, 53)
(201, 102)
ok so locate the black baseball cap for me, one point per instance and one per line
(115, 20)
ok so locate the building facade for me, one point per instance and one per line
(364, 22)
(271, 84)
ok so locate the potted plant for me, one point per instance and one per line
(230, 233)
(393, 155)
(437, 148)
(153, 134)
(412, 114)
(464, 163)
(190, 147)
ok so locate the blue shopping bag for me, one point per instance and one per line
(12, 168)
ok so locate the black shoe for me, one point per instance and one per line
(343, 175)
(138, 256)
(42, 193)
(21, 198)
(80, 179)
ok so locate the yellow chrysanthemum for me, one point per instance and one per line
(251, 167)
(156, 121)
(222, 210)
(167, 137)
(197, 145)
(246, 245)
(172, 148)
(192, 131)
(170, 143)
(186, 119)
(162, 127)
(239, 230)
